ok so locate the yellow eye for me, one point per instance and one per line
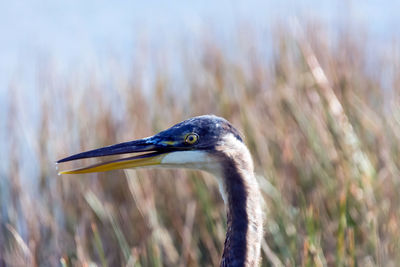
(192, 138)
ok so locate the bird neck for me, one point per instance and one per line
(244, 214)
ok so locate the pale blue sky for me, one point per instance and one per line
(72, 30)
(75, 34)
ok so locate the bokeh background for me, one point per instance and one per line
(313, 86)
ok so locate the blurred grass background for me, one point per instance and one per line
(320, 115)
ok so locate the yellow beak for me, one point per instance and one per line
(150, 144)
(126, 163)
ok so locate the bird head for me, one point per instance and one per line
(196, 143)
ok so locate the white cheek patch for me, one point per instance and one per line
(191, 159)
(196, 160)
(184, 157)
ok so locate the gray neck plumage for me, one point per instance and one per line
(245, 221)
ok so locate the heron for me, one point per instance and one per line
(208, 143)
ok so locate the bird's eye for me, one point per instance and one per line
(192, 138)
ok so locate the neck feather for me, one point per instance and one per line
(244, 213)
